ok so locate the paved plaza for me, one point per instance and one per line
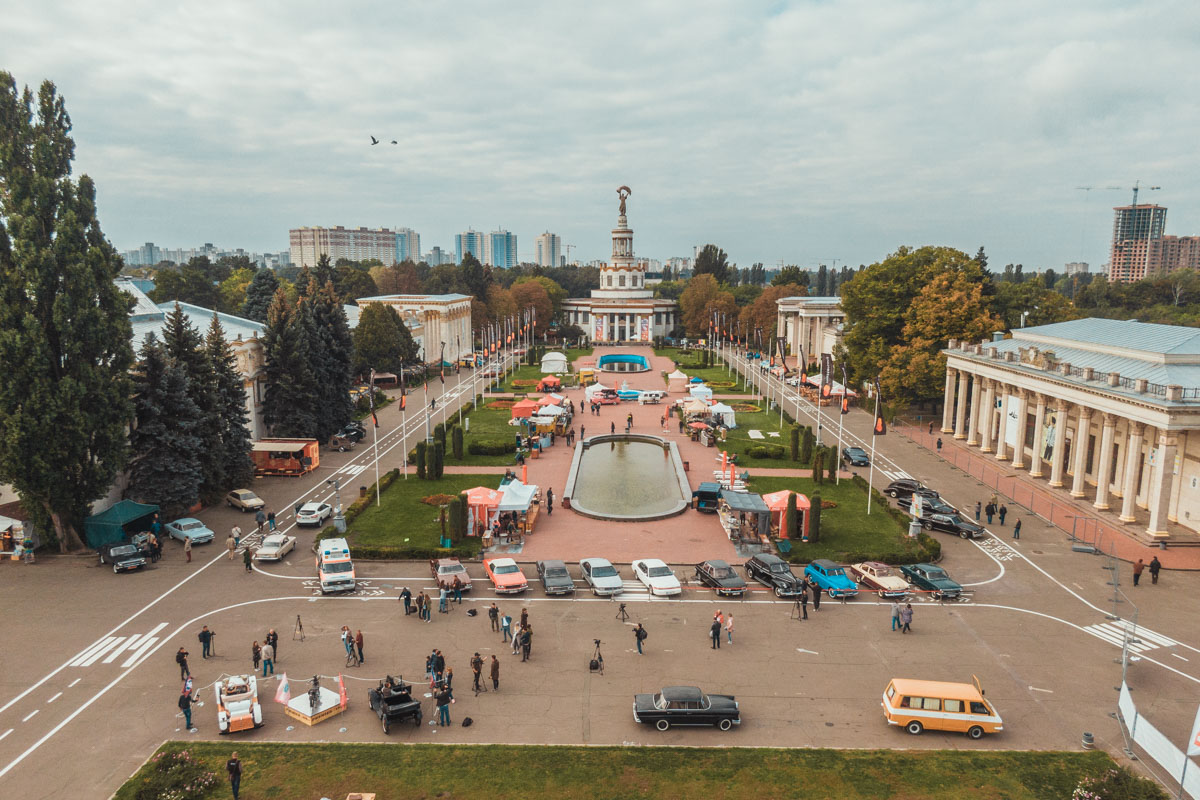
(88, 681)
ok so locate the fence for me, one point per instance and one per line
(1158, 746)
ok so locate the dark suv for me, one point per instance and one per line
(951, 523)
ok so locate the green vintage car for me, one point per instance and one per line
(932, 579)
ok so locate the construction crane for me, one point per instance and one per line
(1135, 191)
(569, 248)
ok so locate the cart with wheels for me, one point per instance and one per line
(393, 702)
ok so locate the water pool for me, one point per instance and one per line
(627, 477)
(623, 362)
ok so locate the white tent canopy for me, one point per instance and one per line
(516, 496)
(678, 374)
(695, 406)
(551, 411)
(702, 392)
(724, 413)
(554, 362)
(591, 390)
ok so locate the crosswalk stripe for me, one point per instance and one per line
(353, 469)
(87, 653)
(1115, 636)
(116, 651)
(92, 659)
(146, 644)
(1157, 638)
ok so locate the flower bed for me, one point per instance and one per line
(500, 404)
(747, 407)
(437, 499)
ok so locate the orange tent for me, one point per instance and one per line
(524, 408)
(777, 503)
(550, 400)
(481, 502)
(549, 383)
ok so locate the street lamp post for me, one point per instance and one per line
(339, 520)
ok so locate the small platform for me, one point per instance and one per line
(330, 706)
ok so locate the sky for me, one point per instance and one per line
(829, 131)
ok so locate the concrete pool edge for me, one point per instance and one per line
(685, 489)
(637, 360)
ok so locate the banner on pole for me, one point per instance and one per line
(880, 425)
(826, 376)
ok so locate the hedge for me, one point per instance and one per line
(485, 447)
(766, 451)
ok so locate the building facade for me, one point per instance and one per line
(308, 244)
(443, 319)
(622, 309)
(408, 246)
(1107, 410)
(549, 249)
(811, 324)
(1136, 230)
(1075, 268)
(469, 241)
(500, 249)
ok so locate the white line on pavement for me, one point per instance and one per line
(135, 655)
(31, 715)
(95, 656)
(87, 653)
(4, 735)
(52, 699)
(72, 683)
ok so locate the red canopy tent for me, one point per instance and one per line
(777, 503)
(549, 383)
(481, 502)
(550, 400)
(524, 408)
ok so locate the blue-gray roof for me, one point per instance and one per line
(1127, 334)
(415, 298)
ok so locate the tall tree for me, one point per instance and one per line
(185, 285)
(791, 274)
(165, 469)
(475, 276)
(233, 290)
(322, 273)
(64, 326)
(397, 279)
(764, 311)
(354, 283)
(530, 293)
(712, 260)
(379, 341)
(288, 408)
(232, 416)
(702, 297)
(331, 362)
(185, 349)
(259, 295)
(822, 287)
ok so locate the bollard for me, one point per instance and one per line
(1089, 741)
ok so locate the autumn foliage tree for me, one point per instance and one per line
(703, 296)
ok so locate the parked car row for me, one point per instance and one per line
(928, 508)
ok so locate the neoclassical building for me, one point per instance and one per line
(1107, 410)
(811, 323)
(442, 318)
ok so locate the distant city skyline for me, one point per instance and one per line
(791, 132)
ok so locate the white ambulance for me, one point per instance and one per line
(335, 570)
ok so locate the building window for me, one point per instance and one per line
(658, 319)
(610, 282)
(585, 317)
(622, 281)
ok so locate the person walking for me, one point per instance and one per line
(186, 700)
(1017, 529)
(234, 767)
(476, 672)
(931, 429)
(582, 431)
(406, 598)
(347, 640)
(1155, 566)
(494, 617)
(230, 546)
(939, 444)
(237, 536)
(1137, 571)
(989, 511)
(457, 590)
(442, 595)
(260, 519)
(505, 628)
(639, 636)
(187, 549)
(247, 559)
(205, 637)
(256, 654)
(729, 628)
(268, 659)
(1003, 513)
(714, 633)
(612, 427)
(526, 643)
(181, 658)
(549, 502)
(271, 520)
(524, 618)
(978, 508)
(443, 705)
(906, 617)
(358, 643)
(895, 614)
(495, 672)
(273, 640)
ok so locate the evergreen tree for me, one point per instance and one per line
(457, 442)
(185, 349)
(322, 273)
(232, 416)
(439, 461)
(792, 516)
(331, 362)
(794, 441)
(64, 326)
(814, 518)
(165, 468)
(287, 400)
(822, 281)
(422, 449)
(259, 295)
(831, 460)
(818, 466)
(806, 445)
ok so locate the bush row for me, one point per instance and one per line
(491, 447)
(766, 451)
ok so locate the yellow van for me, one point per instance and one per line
(938, 706)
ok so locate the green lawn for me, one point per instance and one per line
(715, 374)
(490, 425)
(402, 520)
(738, 439)
(847, 532)
(501, 772)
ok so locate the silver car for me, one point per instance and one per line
(275, 547)
(602, 576)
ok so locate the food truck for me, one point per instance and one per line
(285, 456)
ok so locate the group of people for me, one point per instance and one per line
(902, 616)
(1155, 567)
(714, 631)
(423, 603)
(353, 643)
(266, 653)
(993, 508)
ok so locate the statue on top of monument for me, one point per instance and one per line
(623, 192)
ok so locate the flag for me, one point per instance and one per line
(343, 699)
(880, 425)
(845, 392)
(403, 389)
(826, 375)
(371, 398)
(442, 364)
(284, 693)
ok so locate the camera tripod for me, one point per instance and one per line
(597, 662)
(622, 614)
(298, 630)
(799, 610)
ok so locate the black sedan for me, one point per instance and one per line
(856, 457)
(686, 705)
(772, 571)
(354, 431)
(123, 556)
(929, 504)
(907, 487)
(555, 578)
(951, 523)
(720, 576)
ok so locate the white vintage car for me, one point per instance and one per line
(657, 577)
(238, 708)
(879, 578)
(275, 547)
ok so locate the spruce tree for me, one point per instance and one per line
(422, 450)
(791, 517)
(65, 334)
(259, 295)
(165, 469)
(794, 442)
(818, 466)
(185, 349)
(287, 398)
(232, 416)
(833, 464)
(806, 445)
(457, 442)
(331, 361)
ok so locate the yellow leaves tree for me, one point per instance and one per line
(703, 296)
(764, 311)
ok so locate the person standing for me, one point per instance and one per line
(989, 511)
(268, 658)
(803, 600)
(1137, 571)
(187, 548)
(476, 672)
(247, 559)
(506, 628)
(895, 614)
(234, 767)
(1155, 566)
(524, 618)
(729, 628)
(181, 658)
(230, 546)
(816, 595)
(406, 598)
(516, 640)
(260, 519)
(1017, 529)
(494, 617)
(358, 642)
(205, 637)
(186, 699)
(526, 643)
(256, 654)
(457, 590)
(442, 595)
(582, 431)
(237, 536)
(714, 633)
(1003, 513)
(549, 502)
(612, 427)
(639, 636)
(931, 429)
(495, 673)
(443, 705)
(939, 444)
(273, 640)
(906, 617)
(978, 508)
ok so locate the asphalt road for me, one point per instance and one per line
(88, 681)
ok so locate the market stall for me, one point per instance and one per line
(724, 414)
(551, 400)
(524, 409)
(745, 517)
(677, 382)
(777, 503)
(554, 362)
(593, 390)
(482, 504)
(115, 524)
(549, 383)
(518, 505)
(695, 407)
(811, 388)
(701, 392)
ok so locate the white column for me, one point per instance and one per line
(1161, 480)
(987, 415)
(1104, 469)
(1018, 460)
(1133, 456)
(1001, 445)
(960, 413)
(948, 404)
(1039, 431)
(1079, 450)
(1177, 480)
(976, 402)
(1060, 444)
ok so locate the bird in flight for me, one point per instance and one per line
(395, 142)
(374, 141)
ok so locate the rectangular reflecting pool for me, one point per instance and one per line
(627, 477)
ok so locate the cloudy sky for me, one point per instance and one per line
(798, 132)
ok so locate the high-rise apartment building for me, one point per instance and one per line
(1075, 268)
(469, 241)
(1136, 230)
(437, 256)
(549, 249)
(500, 249)
(408, 245)
(308, 244)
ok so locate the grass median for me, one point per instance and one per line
(504, 772)
(402, 521)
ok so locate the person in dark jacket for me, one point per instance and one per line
(205, 637)
(495, 673)
(186, 700)
(406, 598)
(715, 634)
(273, 640)
(234, 767)
(181, 659)
(1155, 566)
(443, 705)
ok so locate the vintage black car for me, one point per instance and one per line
(555, 578)
(720, 576)
(932, 579)
(354, 431)
(856, 457)
(686, 705)
(906, 487)
(123, 556)
(393, 702)
(951, 523)
(772, 571)
(928, 503)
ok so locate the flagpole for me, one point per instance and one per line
(871, 472)
(403, 425)
(375, 442)
(842, 427)
(458, 347)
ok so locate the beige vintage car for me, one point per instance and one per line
(879, 577)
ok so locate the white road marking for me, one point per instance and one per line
(146, 644)
(129, 644)
(72, 683)
(86, 653)
(802, 650)
(1036, 689)
(352, 469)
(5, 734)
(1181, 658)
(52, 699)
(1115, 634)
(31, 715)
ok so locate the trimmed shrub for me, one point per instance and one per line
(457, 442)
(486, 447)
(438, 499)
(794, 442)
(175, 774)
(439, 434)
(818, 466)
(457, 511)
(422, 451)
(833, 463)
(792, 517)
(806, 445)
(814, 519)
(500, 404)
(439, 458)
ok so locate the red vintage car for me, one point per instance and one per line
(506, 575)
